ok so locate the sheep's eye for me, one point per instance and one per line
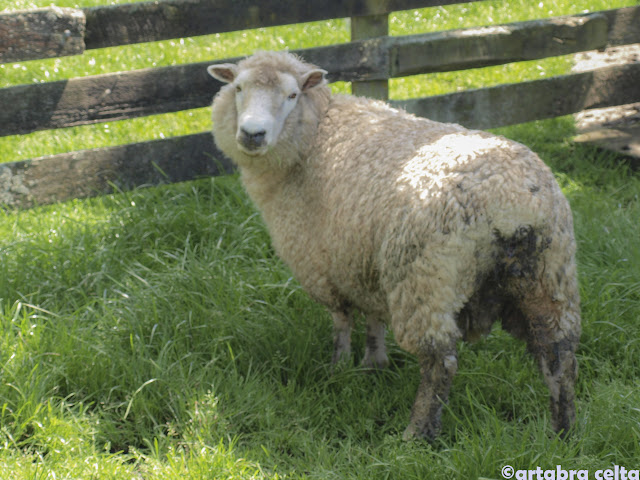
(293, 96)
(238, 88)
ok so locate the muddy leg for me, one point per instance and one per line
(438, 365)
(341, 336)
(543, 284)
(559, 367)
(553, 332)
(375, 354)
(555, 352)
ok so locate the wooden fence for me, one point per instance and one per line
(369, 60)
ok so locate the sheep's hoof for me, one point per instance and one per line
(429, 432)
(409, 434)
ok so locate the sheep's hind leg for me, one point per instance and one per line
(554, 349)
(438, 365)
(552, 332)
(375, 354)
(341, 336)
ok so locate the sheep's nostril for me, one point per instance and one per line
(254, 138)
(258, 137)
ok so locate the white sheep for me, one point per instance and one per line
(431, 228)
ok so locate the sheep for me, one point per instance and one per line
(430, 228)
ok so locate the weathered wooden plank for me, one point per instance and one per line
(81, 101)
(364, 28)
(535, 100)
(152, 21)
(87, 173)
(43, 33)
(495, 45)
(117, 96)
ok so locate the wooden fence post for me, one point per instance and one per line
(363, 28)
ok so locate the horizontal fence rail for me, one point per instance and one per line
(98, 171)
(136, 23)
(369, 61)
(116, 25)
(547, 98)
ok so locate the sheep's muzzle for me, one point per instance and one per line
(252, 142)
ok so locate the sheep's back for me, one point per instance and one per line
(378, 163)
(395, 186)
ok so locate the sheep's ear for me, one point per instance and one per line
(225, 72)
(313, 78)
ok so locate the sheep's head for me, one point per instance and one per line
(267, 89)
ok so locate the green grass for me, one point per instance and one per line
(154, 334)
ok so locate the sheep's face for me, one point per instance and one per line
(264, 100)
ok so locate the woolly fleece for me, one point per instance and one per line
(431, 228)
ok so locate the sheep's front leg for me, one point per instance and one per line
(375, 354)
(437, 368)
(341, 336)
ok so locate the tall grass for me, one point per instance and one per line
(154, 333)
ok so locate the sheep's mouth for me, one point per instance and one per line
(253, 150)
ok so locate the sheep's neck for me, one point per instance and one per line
(263, 185)
(278, 193)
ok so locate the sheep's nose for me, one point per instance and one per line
(254, 139)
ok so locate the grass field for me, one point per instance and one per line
(154, 334)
